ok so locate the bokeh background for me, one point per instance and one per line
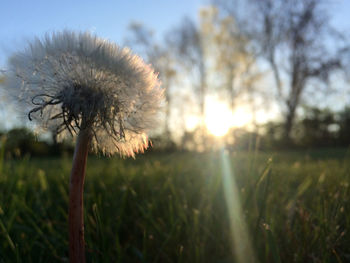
(231, 69)
(249, 162)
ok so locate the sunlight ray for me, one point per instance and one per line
(241, 245)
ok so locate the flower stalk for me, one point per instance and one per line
(76, 193)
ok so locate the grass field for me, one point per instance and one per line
(182, 207)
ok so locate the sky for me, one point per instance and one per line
(21, 20)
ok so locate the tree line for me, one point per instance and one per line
(319, 128)
(258, 53)
(261, 53)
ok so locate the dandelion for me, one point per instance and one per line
(79, 85)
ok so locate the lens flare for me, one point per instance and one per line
(218, 118)
(241, 245)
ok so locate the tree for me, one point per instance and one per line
(187, 43)
(319, 128)
(143, 41)
(301, 30)
(298, 43)
(232, 53)
(344, 126)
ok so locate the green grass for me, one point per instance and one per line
(172, 208)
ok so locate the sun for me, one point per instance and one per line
(219, 118)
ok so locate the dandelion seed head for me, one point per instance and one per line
(70, 81)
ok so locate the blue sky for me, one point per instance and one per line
(23, 19)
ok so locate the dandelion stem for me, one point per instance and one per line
(76, 190)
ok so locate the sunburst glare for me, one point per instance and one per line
(219, 118)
